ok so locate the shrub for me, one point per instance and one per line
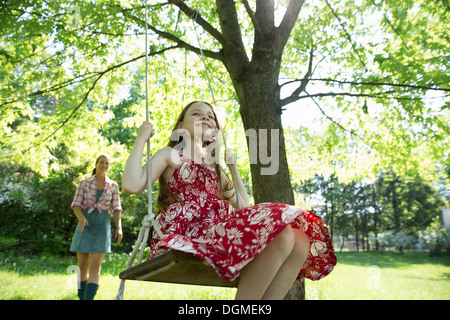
(436, 240)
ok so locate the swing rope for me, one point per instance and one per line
(148, 220)
(202, 56)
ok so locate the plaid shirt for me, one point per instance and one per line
(86, 194)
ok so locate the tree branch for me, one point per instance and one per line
(303, 83)
(100, 75)
(367, 95)
(296, 94)
(352, 132)
(180, 43)
(265, 15)
(230, 25)
(251, 14)
(200, 21)
(185, 45)
(305, 80)
(55, 87)
(390, 84)
(378, 95)
(283, 31)
(347, 35)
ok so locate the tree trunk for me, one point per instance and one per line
(375, 217)
(256, 83)
(395, 204)
(265, 141)
(297, 291)
(261, 115)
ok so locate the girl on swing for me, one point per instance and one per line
(269, 244)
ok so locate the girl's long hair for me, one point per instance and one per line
(165, 197)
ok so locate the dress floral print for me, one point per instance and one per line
(202, 223)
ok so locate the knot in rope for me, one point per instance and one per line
(147, 221)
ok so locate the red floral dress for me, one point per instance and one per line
(204, 224)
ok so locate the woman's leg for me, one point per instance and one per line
(83, 264)
(258, 275)
(95, 266)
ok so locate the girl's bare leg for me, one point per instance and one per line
(288, 272)
(277, 260)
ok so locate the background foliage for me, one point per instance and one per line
(72, 86)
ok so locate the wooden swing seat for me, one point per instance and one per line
(176, 267)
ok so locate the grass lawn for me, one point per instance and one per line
(391, 275)
(358, 275)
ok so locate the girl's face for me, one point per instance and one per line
(102, 165)
(199, 118)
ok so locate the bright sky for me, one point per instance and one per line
(300, 113)
(303, 112)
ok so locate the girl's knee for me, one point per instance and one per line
(292, 240)
(302, 243)
(285, 240)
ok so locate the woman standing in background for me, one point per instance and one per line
(95, 197)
